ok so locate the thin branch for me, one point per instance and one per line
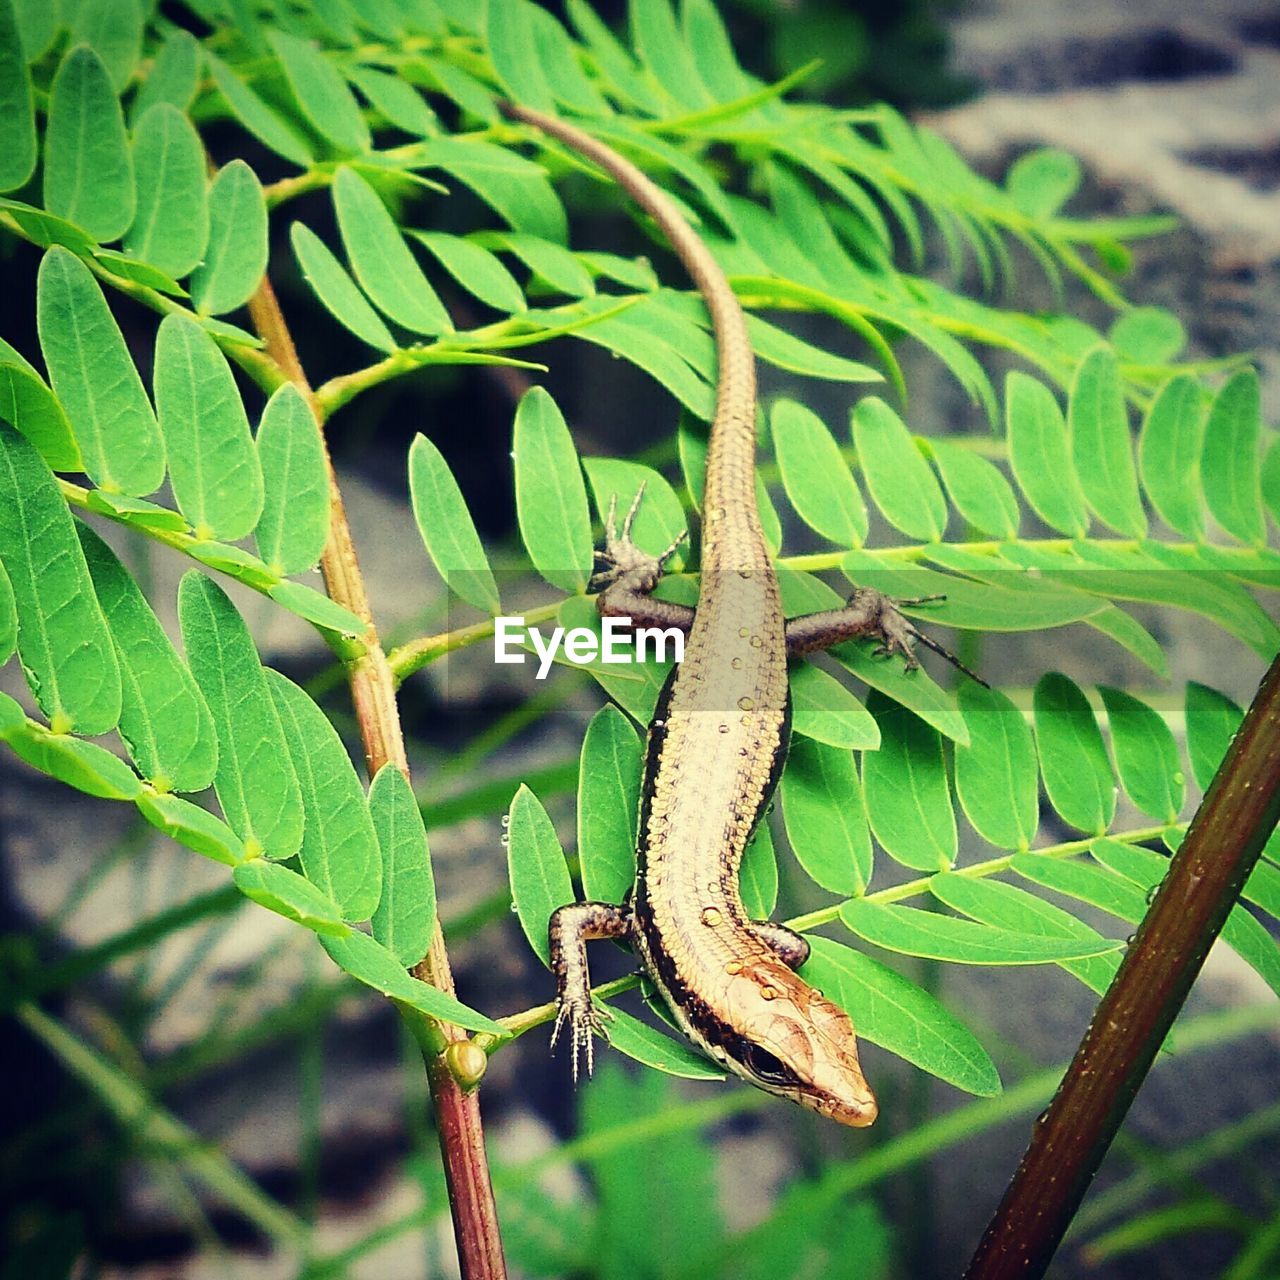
(517, 1024)
(373, 691)
(1203, 883)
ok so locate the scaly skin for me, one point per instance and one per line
(715, 750)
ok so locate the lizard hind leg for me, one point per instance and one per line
(569, 930)
(869, 613)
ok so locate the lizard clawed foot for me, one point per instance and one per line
(585, 1019)
(620, 560)
(898, 635)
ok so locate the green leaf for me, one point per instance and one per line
(336, 289)
(213, 465)
(1270, 477)
(46, 229)
(1073, 759)
(817, 480)
(824, 710)
(996, 779)
(256, 782)
(1230, 466)
(326, 100)
(275, 133)
(236, 561)
(1042, 181)
(517, 189)
(8, 620)
(192, 826)
(901, 1017)
(1212, 721)
(398, 102)
(899, 478)
(784, 350)
(986, 605)
(1147, 335)
(535, 861)
(825, 818)
(608, 805)
(549, 262)
(906, 786)
(664, 54)
(914, 690)
(290, 895)
(1146, 755)
(978, 491)
(1040, 456)
(371, 963)
(113, 29)
(94, 378)
(475, 269)
(1006, 907)
(17, 112)
(1085, 882)
(88, 172)
(447, 530)
(560, 59)
(406, 914)
(163, 720)
(660, 517)
(758, 875)
(551, 499)
(509, 35)
(1242, 932)
(135, 512)
(27, 404)
(1098, 428)
(83, 765)
(236, 257)
(915, 932)
(340, 852)
(174, 73)
(316, 607)
(123, 267)
(294, 525)
(1169, 454)
(63, 640)
(12, 716)
(657, 1049)
(383, 265)
(171, 229)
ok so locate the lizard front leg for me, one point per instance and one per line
(570, 929)
(628, 575)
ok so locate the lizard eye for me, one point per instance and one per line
(765, 1066)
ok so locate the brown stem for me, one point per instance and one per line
(373, 692)
(1203, 883)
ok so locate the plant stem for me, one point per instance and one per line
(1203, 883)
(373, 691)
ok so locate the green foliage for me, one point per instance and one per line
(1117, 474)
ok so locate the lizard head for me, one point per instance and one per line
(796, 1043)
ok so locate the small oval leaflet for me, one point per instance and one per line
(539, 875)
(406, 914)
(256, 783)
(66, 649)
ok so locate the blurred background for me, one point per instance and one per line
(223, 1026)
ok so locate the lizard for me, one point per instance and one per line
(716, 746)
